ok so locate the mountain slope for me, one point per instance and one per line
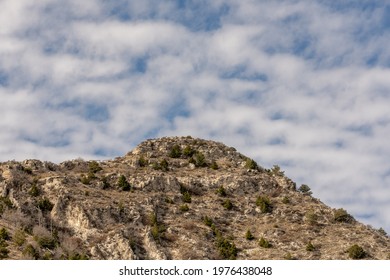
(172, 198)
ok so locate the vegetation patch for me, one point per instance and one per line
(264, 243)
(356, 252)
(249, 235)
(123, 184)
(342, 216)
(264, 203)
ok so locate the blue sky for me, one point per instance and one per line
(301, 84)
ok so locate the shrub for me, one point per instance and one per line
(175, 152)
(164, 165)
(286, 200)
(311, 217)
(45, 205)
(34, 190)
(356, 252)
(275, 170)
(46, 241)
(207, 221)
(214, 165)
(186, 197)
(94, 167)
(248, 235)
(264, 203)
(200, 160)
(85, 179)
(19, 237)
(305, 189)
(123, 184)
(227, 250)
(155, 231)
(152, 218)
(227, 204)
(382, 231)
(184, 208)
(310, 247)
(342, 216)
(105, 182)
(188, 152)
(250, 164)
(142, 162)
(221, 191)
(4, 235)
(264, 243)
(3, 250)
(31, 252)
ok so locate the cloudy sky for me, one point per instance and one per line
(302, 84)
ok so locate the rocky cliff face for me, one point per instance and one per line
(172, 198)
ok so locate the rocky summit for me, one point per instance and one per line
(172, 198)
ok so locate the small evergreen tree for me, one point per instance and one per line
(123, 184)
(175, 152)
(248, 235)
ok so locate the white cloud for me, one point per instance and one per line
(298, 84)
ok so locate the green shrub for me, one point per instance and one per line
(142, 162)
(305, 189)
(227, 250)
(310, 247)
(188, 152)
(342, 216)
(85, 179)
(264, 203)
(184, 208)
(264, 243)
(45, 205)
(19, 237)
(164, 165)
(31, 252)
(175, 152)
(3, 250)
(250, 164)
(286, 200)
(227, 204)
(27, 170)
(311, 217)
(5, 202)
(34, 191)
(221, 191)
(105, 182)
(155, 231)
(207, 221)
(214, 165)
(4, 235)
(248, 235)
(275, 170)
(186, 197)
(356, 252)
(152, 218)
(94, 167)
(46, 241)
(123, 184)
(200, 160)
(382, 231)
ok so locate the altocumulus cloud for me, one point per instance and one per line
(302, 84)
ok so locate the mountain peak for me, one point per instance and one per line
(166, 195)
